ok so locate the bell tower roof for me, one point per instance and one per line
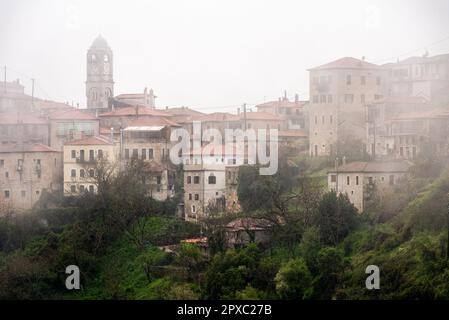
(100, 42)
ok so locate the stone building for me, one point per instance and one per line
(292, 113)
(149, 140)
(72, 124)
(205, 180)
(339, 92)
(81, 158)
(99, 81)
(425, 76)
(23, 127)
(146, 99)
(26, 172)
(359, 180)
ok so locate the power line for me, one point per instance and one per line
(412, 51)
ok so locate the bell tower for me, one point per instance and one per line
(99, 81)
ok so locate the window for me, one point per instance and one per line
(91, 173)
(197, 196)
(144, 154)
(82, 173)
(82, 155)
(158, 180)
(193, 209)
(334, 178)
(348, 79)
(362, 80)
(370, 180)
(2, 163)
(81, 188)
(91, 188)
(189, 179)
(91, 155)
(323, 98)
(150, 153)
(72, 188)
(391, 180)
(331, 119)
(135, 153)
(100, 154)
(73, 173)
(357, 180)
(126, 153)
(348, 180)
(196, 180)
(7, 194)
(73, 154)
(190, 196)
(212, 179)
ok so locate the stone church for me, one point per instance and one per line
(100, 82)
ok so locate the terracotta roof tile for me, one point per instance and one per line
(16, 118)
(73, 114)
(90, 141)
(347, 63)
(38, 147)
(260, 116)
(131, 111)
(156, 121)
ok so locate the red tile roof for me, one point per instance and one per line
(260, 116)
(374, 167)
(48, 104)
(131, 111)
(90, 141)
(284, 103)
(183, 111)
(16, 118)
(218, 117)
(73, 114)
(156, 121)
(38, 147)
(347, 63)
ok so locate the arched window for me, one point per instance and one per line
(106, 58)
(91, 173)
(82, 173)
(93, 58)
(212, 179)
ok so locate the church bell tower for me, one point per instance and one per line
(99, 82)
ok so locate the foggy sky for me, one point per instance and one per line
(207, 54)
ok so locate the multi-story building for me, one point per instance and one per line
(149, 140)
(292, 113)
(26, 172)
(81, 160)
(339, 92)
(23, 127)
(205, 181)
(72, 124)
(360, 180)
(424, 76)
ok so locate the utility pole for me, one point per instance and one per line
(32, 93)
(244, 114)
(4, 83)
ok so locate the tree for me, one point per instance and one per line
(330, 265)
(336, 217)
(293, 281)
